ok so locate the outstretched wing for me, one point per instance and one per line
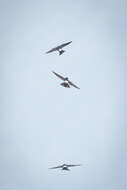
(58, 47)
(63, 45)
(56, 167)
(58, 75)
(53, 49)
(73, 165)
(72, 84)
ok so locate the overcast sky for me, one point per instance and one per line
(42, 123)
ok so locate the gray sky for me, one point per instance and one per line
(44, 124)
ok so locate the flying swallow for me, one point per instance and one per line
(66, 82)
(59, 48)
(65, 166)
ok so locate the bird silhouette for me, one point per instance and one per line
(59, 48)
(66, 82)
(65, 166)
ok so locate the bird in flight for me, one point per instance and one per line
(66, 82)
(59, 48)
(65, 167)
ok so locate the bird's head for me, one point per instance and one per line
(66, 78)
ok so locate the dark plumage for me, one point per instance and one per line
(65, 166)
(59, 48)
(66, 82)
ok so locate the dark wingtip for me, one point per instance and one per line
(54, 72)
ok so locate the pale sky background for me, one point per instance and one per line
(42, 123)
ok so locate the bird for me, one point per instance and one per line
(59, 48)
(66, 82)
(65, 166)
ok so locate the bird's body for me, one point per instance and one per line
(59, 48)
(67, 83)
